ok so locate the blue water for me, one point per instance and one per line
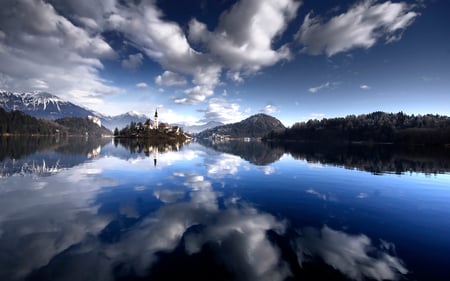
(201, 214)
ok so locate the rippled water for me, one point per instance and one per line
(228, 211)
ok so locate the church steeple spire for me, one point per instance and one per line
(156, 118)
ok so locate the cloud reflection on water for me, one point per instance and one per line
(222, 165)
(352, 255)
(57, 226)
(238, 231)
(40, 217)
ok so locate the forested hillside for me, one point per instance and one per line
(374, 127)
(19, 123)
(255, 126)
(82, 126)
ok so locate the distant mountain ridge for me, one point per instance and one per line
(194, 129)
(122, 120)
(42, 105)
(255, 126)
(48, 106)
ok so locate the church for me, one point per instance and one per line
(155, 122)
(155, 125)
(166, 128)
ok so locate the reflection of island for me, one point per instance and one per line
(148, 146)
(45, 155)
(255, 152)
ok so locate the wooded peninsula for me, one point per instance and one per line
(376, 127)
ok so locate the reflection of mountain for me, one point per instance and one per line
(375, 159)
(18, 147)
(45, 156)
(255, 152)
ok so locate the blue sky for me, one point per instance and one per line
(199, 61)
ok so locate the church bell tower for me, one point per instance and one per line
(156, 118)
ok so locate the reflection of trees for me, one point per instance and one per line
(375, 159)
(255, 152)
(45, 155)
(18, 147)
(371, 158)
(81, 145)
(146, 146)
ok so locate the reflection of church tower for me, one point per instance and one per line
(155, 155)
(156, 118)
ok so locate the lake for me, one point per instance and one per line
(114, 210)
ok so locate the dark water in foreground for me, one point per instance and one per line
(89, 210)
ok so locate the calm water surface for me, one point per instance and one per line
(89, 210)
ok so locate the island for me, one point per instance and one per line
(153, 131)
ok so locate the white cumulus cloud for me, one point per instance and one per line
(169, 78)
(269, 109)
(327, 85)
(133, 61)
(219, 109)
(41, 49)
(243, 39)
(61, 44)
(195, 95)
(360, 27)
(142, 85)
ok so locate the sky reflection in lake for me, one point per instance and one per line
(204, 214)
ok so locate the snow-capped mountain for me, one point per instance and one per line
(199, 128)
(42, 105)
(120, 121)
(47, 106)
